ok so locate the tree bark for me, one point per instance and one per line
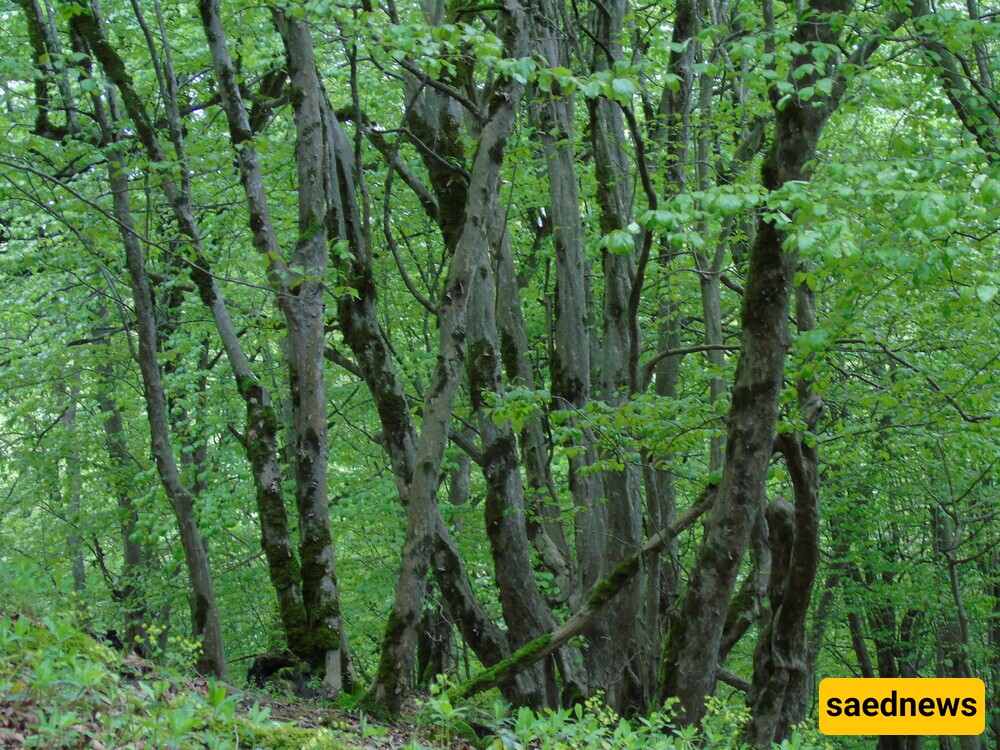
(470, 259)
(691, 653)
(304, 312)
(614, 655)
(782, 677)
(663, 578)
(204, 609)
(505, 507)
(133, 555)
(597, 599)
(953, 634)
(308, 596)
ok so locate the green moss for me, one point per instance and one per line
(523, 657)
(606, 589)
(393, 634)
(286, 737)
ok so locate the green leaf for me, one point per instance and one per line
(622, 90)
(618, 242)
(986, 293)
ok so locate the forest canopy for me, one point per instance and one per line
(645, 351)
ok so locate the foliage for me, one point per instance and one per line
(595, 725)
(893, 224)
(61, 689)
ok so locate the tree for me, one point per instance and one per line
(504, 295)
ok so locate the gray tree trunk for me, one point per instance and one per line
(691, 655)
(614, 657)
(133, 556)
(470, 260)
(304, 311)
(782, 676)
(663, 577)
(307, 595)
(359, 323)
(204, 609)
(953, 634)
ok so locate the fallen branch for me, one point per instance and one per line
(600, 595)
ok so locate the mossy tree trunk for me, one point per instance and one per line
(204, 609)
(597, 599)
(358, 320)
(260, 438)
(783, 666)
(505, 506)
(616, 646)
(691, 653)
(307, 589)
(469, 260)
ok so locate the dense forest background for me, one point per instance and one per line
(640, 350)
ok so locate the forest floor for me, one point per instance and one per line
(60, 688)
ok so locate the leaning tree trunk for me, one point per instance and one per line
(598, 598)
(470, 259)
(261, 433)
(691, 653)
(204, 609)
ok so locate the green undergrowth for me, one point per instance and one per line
(594, 725)
(59, 688)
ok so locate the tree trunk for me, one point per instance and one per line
(133, 557)
(262, 424)
(470, 260)
(782, 677)
(304, 312)
(204, 609)
(308, 596)
(953, 634)
(69, 487)
(994, 639)
(544, 519)
(614, 655)
(692, 648)
(505, 507)
(663, 578)
(597, 599)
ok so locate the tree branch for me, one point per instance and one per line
(600, 595)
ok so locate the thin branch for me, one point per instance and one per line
(443, 88)
(647, 369)
(971, 418)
